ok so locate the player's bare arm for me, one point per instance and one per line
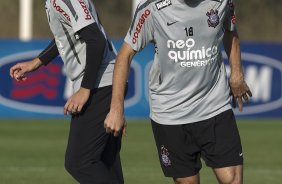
(238, 86)
(19, 71)
(115, 119)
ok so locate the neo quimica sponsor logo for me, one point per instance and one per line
(184, 51)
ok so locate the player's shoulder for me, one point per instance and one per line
(145, 4)
(153, 5)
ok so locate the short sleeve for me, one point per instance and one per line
(230, 20)
(79, 13)
(140, 32)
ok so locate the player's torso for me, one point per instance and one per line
(187, 79)
(201, 21)
(72, 51)
(188, 39)
(60, 13)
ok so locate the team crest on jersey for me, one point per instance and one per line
(213, 20)
(165, 156)
(163, 4)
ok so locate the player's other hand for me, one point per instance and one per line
(76, 102)
(115, 122)
(19, 70)
(239, 91)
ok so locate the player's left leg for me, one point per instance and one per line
(92, 155)
(229, 175)
(178, 153)
(221, 147)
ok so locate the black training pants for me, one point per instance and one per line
(92, 155)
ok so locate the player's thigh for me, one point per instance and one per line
(179, 155)
(229, 175)
(220, 141)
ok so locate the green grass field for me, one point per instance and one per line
(32, 152)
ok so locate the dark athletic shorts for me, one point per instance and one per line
(215, 140)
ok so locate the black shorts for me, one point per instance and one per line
(215, 140)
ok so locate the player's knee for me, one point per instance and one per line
(230, 175)
(235, 180)
(232, 179)
(187, 180)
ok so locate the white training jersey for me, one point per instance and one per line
(187, 81)
(66, 18)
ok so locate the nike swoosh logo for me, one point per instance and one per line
(171, 23)
(240, 154)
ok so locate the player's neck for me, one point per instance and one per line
(191, 3)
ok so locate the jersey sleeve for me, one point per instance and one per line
(230, 20)
(79, 13)
(49, 53)
(140, 32)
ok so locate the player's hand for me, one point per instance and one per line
(76, 102)
(239, 91)
(115, 123)
(19, 70)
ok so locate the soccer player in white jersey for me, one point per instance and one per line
(92, 155)
(189, 97)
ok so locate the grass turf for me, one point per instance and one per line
(32, 152)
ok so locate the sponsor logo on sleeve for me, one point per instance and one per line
(60, 10)
(85, 9)
(163, 4)
(140, 24)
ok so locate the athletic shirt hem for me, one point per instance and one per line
(189, 120)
